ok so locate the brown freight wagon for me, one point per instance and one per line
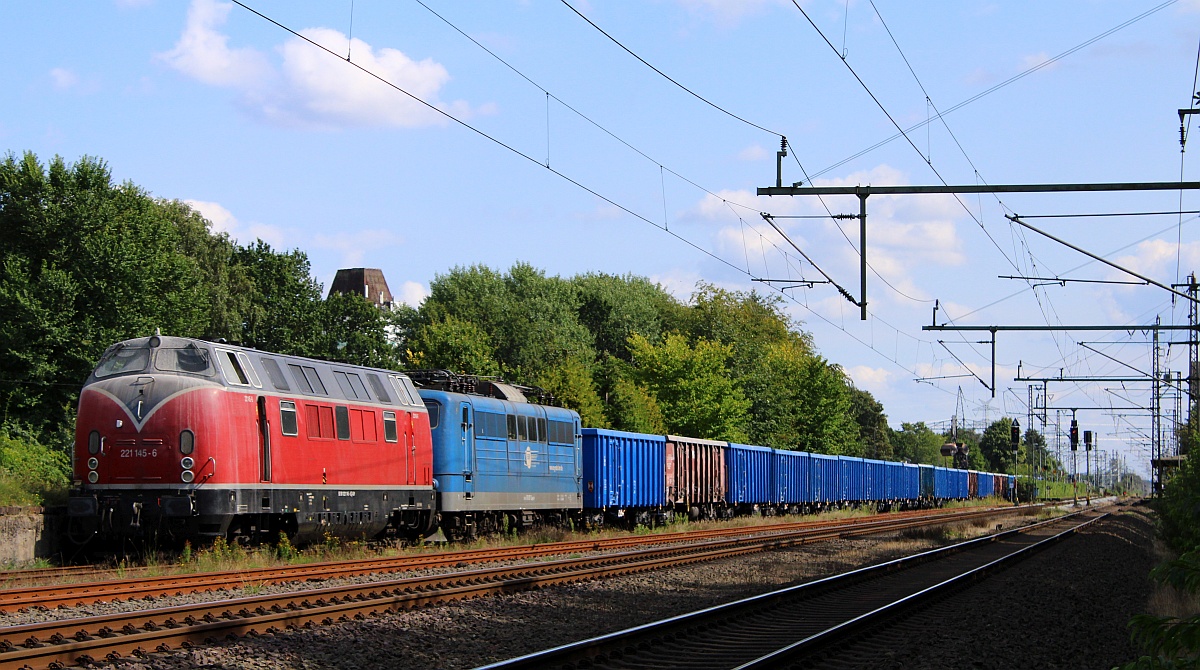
(696, 477)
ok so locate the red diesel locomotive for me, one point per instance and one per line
(182, 438)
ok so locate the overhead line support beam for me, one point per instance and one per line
(863, 192)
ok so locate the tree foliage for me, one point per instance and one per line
(691, 384)
(88, 262)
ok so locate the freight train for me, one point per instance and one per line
(184, 439)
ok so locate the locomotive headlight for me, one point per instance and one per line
(94, 442)
(187, 463)
(187, 442)
(187, 476)
(93, 477)
(93, 463)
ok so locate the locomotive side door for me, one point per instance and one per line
(264, 440)
(468, 449)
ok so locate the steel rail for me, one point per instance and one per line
(625, 646)
(832, 636)
(123, 589)
(72, 641)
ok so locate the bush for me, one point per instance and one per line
(1174, 642)
(1170, 642)
(30, 472)
(1179, 508)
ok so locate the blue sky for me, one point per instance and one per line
(272, 137)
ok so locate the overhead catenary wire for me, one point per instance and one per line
(727, 202)
(1011, 80)
(556, 172)
(664, 75)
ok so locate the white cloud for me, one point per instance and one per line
(874, 380)
(728, 12)
(411, 293)
(753, 152)
(204, 54)
(223, 221)
(354, 245)
(1033, 60)
(1156, 259)
(63, 78)
(330, 90)
(310, 87)
(679, 283)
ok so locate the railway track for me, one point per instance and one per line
(791, 627)
(77, 594)
(73, 641)
(10, 579)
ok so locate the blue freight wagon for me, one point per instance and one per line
(852, 472)
(928, 482)
(942, 486)
(824, 487)
(910, 483)
(987, 485)
(748, 470)
(623, 475)
(875, 488)
(959, 484)
(790, 479)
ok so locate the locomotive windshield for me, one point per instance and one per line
(191, 359)
(435, 412)
(123, 360)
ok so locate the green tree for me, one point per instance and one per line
(571, 383)
(633, 408)
(285, 301)
(452, 344)
(873, 433)
(996, 447)
(355, 331)
(85, 263)
(917, 443)
(691, 385)
(530, 319)
(612, 308)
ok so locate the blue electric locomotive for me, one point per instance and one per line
(500, 462)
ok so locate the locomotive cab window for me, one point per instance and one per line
(123, 360)
(435, 413)
(389, 426)
(190, 359)
(512, 427)
(402, 392)
(287, 418)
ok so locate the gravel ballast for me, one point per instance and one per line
(1073, 607)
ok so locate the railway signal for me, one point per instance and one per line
(1074, 434)
(1014, 435)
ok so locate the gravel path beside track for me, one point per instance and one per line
(466, 634)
